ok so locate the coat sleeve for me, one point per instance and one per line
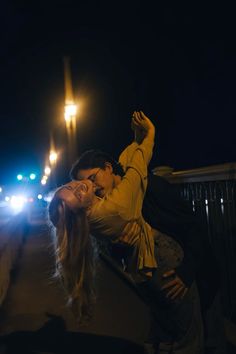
(129, 193)
(165, 210)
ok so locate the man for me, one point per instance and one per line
(164, 210)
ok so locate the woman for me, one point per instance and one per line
(76, 210)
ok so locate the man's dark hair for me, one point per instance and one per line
(95, 158)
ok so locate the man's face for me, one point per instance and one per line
(103, 178)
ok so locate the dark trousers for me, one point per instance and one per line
(176, 326)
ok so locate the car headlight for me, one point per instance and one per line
(17, 202)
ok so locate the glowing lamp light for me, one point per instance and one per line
(32, 176)
(44, 180)
(47, 170)
(70, 111)
(17, 202)
(0, 189)
(19, 177)
(53, 157)
(48, 197)
(40, 196)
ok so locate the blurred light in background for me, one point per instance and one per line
(52, 157)
(32, 176)
(44, 180)
(70, 112)
(48, 197)
(7, 198)
(19, 177)
(40, 196)
(17, 202)
(0, 189)
(47, 170)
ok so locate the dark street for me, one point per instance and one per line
(34, 297)
(34, 317)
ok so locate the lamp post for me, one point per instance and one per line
(70, 112)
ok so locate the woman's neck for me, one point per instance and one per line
(94, 201)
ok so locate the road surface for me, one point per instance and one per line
(34, 295)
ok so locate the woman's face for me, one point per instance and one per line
(77, 194)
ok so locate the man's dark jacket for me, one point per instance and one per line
(165, 210)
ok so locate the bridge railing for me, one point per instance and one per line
(211, 192)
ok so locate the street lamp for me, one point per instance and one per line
(47, 170)
(32, 176)
(70, 112)
(19, 177)
(43, 181)
(53, 157)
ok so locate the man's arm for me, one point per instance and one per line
(164, 209)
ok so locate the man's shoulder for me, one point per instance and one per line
(160, 185)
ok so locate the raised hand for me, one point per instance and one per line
(141, 125)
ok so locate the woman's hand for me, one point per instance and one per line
(139, 132)
(142, 126)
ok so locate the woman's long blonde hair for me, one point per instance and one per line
(75, 256)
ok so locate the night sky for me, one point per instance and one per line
(176, 63)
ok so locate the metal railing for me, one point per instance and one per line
(211, 191)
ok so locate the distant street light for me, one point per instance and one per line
(32, 176)
(53, 157)
(70, 112)
(44, 180)
(47, 170)
(19, 177)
